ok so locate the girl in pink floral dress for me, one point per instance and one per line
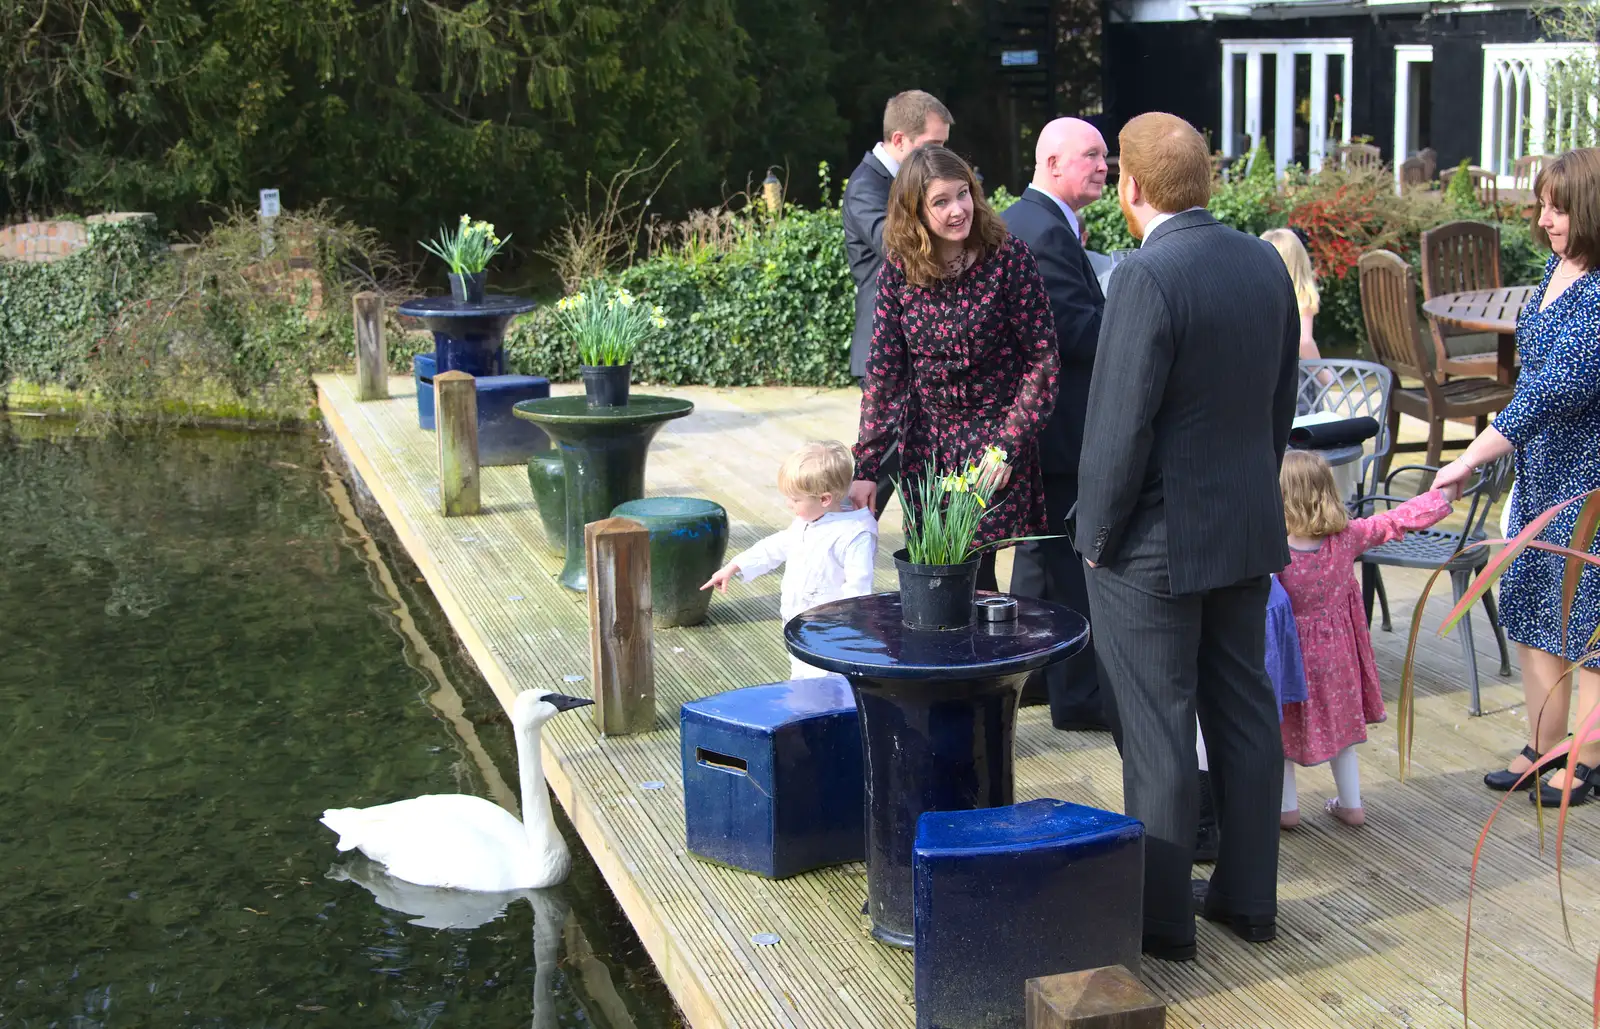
(1342, 692)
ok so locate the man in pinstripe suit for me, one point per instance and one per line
(1180, 521)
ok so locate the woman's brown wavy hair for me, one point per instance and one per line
(905, 235)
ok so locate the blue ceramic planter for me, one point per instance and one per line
(1007, 894)
(772, 779)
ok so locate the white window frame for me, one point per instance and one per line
(1285, 50)
(1405, 55)
(1516, 104)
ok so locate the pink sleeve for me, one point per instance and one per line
(1419, 512)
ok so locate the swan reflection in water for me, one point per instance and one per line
(436, 908)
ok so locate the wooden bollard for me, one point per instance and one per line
(372, 353)
(455, 398)
(1097, 998)
(621, 642)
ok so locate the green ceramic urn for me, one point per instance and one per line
(688, 541)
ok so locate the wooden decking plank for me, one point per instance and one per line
(1371, 920)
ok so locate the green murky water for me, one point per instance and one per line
(203, 649)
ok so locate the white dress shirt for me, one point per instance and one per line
(885, 158)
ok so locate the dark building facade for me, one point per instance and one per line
(1351, 72)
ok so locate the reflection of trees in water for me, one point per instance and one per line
(132, 513)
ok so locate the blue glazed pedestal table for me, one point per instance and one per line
(603, 451)
(938, 715)
(468, 337)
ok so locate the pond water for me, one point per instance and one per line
(206, 648)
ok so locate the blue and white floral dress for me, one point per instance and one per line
(1554, 421)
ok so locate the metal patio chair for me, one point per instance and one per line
(1435, 548)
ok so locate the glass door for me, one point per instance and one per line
(1291, 94)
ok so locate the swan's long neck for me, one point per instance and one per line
(537, 820)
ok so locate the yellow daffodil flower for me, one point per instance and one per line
(994, 455)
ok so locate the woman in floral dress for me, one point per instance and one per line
(1553, 425)
(963, 352)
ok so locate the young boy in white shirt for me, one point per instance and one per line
(827, 552)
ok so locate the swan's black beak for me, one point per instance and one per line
(562, 702)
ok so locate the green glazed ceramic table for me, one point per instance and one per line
(603, 451)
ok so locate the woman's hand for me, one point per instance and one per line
(864, 494)
(719, 581)
(1452, 478)
(993, 471)
(995, 475)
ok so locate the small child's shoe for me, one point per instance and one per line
(1289, 819)
(1351, 816)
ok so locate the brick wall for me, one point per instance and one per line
(51, 241)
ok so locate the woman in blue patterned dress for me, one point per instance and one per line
(1553, 424)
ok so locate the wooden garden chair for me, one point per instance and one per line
(1354, 156)
(1389, 308)
(1460, 257)
(1483, 183)
(1526, 171)
(1413, 173)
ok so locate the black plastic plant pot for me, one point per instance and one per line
(468, 287)
(936, 597)
(606, 385)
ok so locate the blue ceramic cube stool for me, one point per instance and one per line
(772, 779)
(1007, 894)
(423, 367)
(503, 438)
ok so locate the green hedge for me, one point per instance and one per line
(776, 308)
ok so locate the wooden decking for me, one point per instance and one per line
(1371, 920)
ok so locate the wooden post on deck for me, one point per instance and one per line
(621, 643)
(456, 401)
(372, 353)
(1097, 998)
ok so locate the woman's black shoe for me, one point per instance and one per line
(1584, 779)
(1502, 780)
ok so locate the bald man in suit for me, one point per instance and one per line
(1069, 173)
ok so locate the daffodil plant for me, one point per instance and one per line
(946, 509)
(608, 326)
(469, 248)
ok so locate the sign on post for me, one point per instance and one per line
(269, 203)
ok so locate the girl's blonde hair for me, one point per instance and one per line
(1311, 504)
(1298, 262)
(821, 466)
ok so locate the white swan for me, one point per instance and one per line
(461, 842)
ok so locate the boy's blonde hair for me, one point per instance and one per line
(1311, 504)
(821, 466)
(1298, 262)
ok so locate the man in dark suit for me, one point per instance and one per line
(910, 119)
(1181, 522)
(1069, 173)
